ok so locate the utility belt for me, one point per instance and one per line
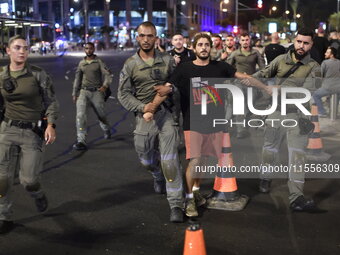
(20, 123)
(37, 127)
(91, 89)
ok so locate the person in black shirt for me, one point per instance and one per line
(179, 52)
(274, 49)
(321, 43)
(184, 78)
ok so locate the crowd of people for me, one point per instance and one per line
(141, 91)
(157, 86)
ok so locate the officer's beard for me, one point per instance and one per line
(90, 55)
(300, 56)
(147, 50)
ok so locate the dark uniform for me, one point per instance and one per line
(296, 140)
(90, 76)
(25, 104)
(136, 89)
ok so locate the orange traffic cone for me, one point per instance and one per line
(225, 195)
(315, 147)
(194, 240)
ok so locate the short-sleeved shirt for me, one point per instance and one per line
(181, 78)
(186, 55)
(273, 50)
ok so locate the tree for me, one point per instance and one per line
(334, 21)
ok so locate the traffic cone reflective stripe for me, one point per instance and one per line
(225, 195)
(194, 241)
(315, 147)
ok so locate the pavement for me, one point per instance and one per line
(101, 201)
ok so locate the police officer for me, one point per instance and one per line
(244, 60)
(92, 80)
(140, 74)
(296, 69)
(28, 96)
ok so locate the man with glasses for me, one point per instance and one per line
(27, 98)
(142, 89)
(92, 80)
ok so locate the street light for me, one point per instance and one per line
(274, 8)
(287, 12)
(183, 3)
(223, 8)
(298, 15)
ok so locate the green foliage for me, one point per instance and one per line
(334, 20)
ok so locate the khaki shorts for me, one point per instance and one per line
(198, 144)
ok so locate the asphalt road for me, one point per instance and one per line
(102, 201)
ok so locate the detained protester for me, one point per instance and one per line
(30, 111)
(293, 69)
(143, 77)
(90, 88)
(200, 142)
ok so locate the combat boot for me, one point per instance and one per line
(159, 186)
(176, 215)
(301, 204)
(79, 146)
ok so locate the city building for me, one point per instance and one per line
(110, 21)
